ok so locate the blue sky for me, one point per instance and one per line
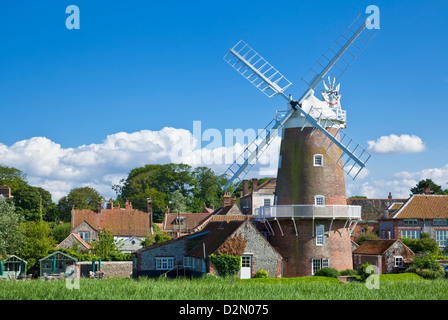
(155, 64)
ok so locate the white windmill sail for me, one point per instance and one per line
(271, 82)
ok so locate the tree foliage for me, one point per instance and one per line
(78, 198)
(12, 235)
(38, 241)
(421, 186)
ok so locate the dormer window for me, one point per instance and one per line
(177, 221)
(318, 160)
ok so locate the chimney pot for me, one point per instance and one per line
(226, 199)
(390, 196)
(427, 190)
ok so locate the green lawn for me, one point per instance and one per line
(392, 287)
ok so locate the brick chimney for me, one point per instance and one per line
(390, 196)
(254, 184)
(427, 191)
(245, 187)
(212, 207)
(226, 200)
(128, 205)
(167, 209)
(110, 204)
(5, 191)
(117, 205)
(151, 230)
(100, 206)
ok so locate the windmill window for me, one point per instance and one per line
(318, 264)
(319, 200)
(318, 160)
(320, 235)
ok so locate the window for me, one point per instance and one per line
(245, 262)
(410, 222)
(411, 234)
(318, 160)
(442, 237)
(318, 264)
(187, 262)
(319, 200)
(320, 235)
(84, 236)
(398, 261)
(439, 222)
(164, 263)
(267, 202)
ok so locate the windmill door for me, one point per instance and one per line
(246, 267)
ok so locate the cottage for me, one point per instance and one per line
(389, 256)
(75, 242)
(180, 224)
(260, 195)
(128, 225)
(189, 254)
(371, 211)
(422, 213)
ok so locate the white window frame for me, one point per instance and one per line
(442, 238)
(318, 156)
(264, 202)
(317, 264)
(246, 261)
(83, 237)
(317, 198)
(410, 222)
(164, 263)
(410, 234)
(400, 259)
(320, 235)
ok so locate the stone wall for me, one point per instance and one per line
(111, 269)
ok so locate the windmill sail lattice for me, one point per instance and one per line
(271, 82)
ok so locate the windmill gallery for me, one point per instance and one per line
(309, 223)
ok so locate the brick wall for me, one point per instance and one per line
(111, 269)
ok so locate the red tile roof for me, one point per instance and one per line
(424, 207)
(375, 247)
(190, 222)
(124, 222)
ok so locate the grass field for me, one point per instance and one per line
(392, 287)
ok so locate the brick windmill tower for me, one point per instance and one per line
(310, 222)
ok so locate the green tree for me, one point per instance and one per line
(12, 235)
(206, 189)
(38, 241)
(105, 246)
(421, 186)
(12, 177)
(61, 231)
(177, 202)
(34, 203)
(227, 265)
(424, 244)
(78, 198)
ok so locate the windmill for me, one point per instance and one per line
(315, 155)
(334, 62)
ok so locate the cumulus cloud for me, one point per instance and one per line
(58, 169)
(394, 144)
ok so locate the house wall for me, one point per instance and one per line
(85, 227)
(299, 250)
(360, 259)
(388, 261)
(144, 262)
(258, 200)
(264, 256)
(111, 269)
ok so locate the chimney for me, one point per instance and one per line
(127, 205)
(5, 191)
(226, 200)
(167, 209)
(117, 205)
(110, 204)
(390, 196)
(427, 191)
(254, 184)
(245, 187)
(204, 207)
(234, 199)
(151, 230)
(212, 207)
(100, 207)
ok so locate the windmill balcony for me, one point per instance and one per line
(309, 211)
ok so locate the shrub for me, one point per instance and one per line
(327, 272)
(427, 267)
(362, 271)
(348, 272)
(261, 274)
(226, 264)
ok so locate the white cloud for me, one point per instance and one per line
(58, 170)
(396, 144)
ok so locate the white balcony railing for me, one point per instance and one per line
(309, 211)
